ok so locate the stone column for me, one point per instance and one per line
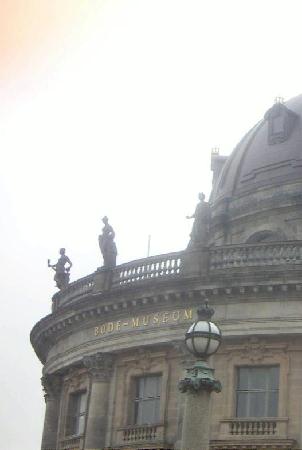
(196, 424)
(197, 385)
(52, 385)
(186, 359)
(100, 369)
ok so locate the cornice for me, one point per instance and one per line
(65, 321)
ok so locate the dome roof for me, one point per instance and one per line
(270, 154)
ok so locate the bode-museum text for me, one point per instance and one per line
(146, 320)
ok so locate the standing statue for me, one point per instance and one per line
(62, 273)
(200, 229)
(107, 245)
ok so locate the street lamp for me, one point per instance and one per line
(202, 339)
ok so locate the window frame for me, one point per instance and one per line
(252, 391)
(138, 401)
(69, 430)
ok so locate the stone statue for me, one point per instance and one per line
(200, 229)
(62, 273)
(107, 245)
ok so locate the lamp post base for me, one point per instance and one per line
(196, 424)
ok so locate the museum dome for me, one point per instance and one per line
(269, 155)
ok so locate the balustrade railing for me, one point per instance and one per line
(145, 433)
(76, 289)
(71, 444)
(254, 427)
(266, 254)
(161, 266)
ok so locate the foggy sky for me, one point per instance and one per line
(112, 107)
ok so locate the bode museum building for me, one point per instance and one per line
(113, 347)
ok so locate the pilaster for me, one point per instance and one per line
(100, 368)
(52, 385)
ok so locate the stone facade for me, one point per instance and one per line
(116, 326)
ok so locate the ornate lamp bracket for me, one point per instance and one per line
(200, 377)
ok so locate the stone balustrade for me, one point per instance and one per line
(74, 290)
(71, 444)
(174, 265)
(154, 267)
(254, 427)
(140, 434)
(265, 254)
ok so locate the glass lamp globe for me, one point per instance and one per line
(203, 337)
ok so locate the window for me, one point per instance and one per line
(147, 400)
(76, 414)
(266, 236)
(281, 122)
(257, 391)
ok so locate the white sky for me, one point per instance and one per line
(119, 119)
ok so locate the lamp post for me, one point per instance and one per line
(202, 339)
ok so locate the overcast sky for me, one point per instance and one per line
(112, 107)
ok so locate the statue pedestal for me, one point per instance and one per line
(102, 280)
(196, 262)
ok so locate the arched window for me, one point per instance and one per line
(266, 236)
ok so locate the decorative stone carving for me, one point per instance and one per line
(100, 365)
(62, 273)
(200, 229)
(255, 350)
(144, 359)
(107, 245)
(199, 378)
(52, 385)
(76, 380)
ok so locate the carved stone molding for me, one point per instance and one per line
(256, 350)
(75, 380)
(144, 359)
(99, 365)
(52, 385)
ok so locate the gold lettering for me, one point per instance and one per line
(156, 318)
(146, 320)
(175, 315)
(135, 322)
(165, 317)
(188, 314)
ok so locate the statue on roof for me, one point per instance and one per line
(62, 273)
(200, 229)
(107, 244)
